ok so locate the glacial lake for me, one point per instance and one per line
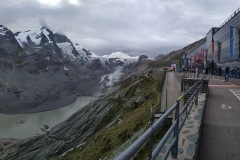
(22, 126)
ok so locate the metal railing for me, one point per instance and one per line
(230, 17)
(180, 118)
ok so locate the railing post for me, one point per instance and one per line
(166, 94)
(150, 142)
(176, 132)
(196, 98)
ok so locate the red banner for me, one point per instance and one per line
(195, 58)
(206, 54)
(212, 50)
(202, 55)
(219, 46)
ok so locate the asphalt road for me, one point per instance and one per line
(220, 135)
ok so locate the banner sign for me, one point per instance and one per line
(212, 50)
(219, 46)
(231, 42)
(206, 55)
(185, 60)
(202, 55)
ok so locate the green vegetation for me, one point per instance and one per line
(130, 112)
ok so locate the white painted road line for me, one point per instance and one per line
(236, 93)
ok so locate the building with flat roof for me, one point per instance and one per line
(221, 49)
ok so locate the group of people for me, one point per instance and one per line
(226, 73)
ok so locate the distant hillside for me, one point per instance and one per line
(174, 55)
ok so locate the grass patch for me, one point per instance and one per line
(130, 120)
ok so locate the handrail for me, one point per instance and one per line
(175, 128)
(230, 17)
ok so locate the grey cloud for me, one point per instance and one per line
(135, 26)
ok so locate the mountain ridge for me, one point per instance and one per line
(39, 66)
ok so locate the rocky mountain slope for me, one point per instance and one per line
(105, 122)
(41, 70)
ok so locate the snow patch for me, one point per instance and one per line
(124, 57)
(65, 68)
(67, 49)
(83, 54)
(47, 58)
(113, 77)
(120, 55)
(19, 42)
(35, 36)
(80, 51)
(2, 32)
(46, 33)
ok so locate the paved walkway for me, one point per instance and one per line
(220, 137)
(173, 89)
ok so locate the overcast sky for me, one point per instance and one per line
(149, 27)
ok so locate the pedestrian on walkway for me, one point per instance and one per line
(226, 74)
(196, 72)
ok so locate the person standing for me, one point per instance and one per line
(226, 74)
(196, 72)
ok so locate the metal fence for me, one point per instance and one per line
(230, 17)
(180, 118)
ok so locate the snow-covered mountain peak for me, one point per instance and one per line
(116, 59)
(84, 52)
(34, 36)
(3, 30)
(124, 57)
(120, 55)
(34, 41)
